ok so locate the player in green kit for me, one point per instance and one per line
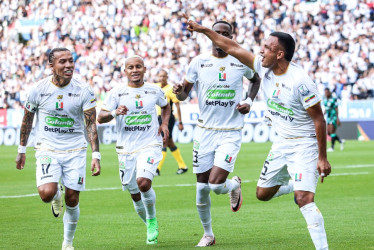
(331, 110)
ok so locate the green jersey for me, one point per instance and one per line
(331, 104)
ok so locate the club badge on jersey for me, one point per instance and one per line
(222, 75)
(59, 103)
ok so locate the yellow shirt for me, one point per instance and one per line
(170, 96)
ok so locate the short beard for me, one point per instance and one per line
(61, 81)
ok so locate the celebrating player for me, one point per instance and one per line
(168, 89)
(139, 140)
(294, 106)
(218, 79)
(60, 103)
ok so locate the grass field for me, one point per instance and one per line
(108, 220)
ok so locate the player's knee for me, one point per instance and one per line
(143, 184)
(46, 194)
(217, 188)
(262, 196)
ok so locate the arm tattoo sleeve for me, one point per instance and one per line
(90, 117)
(26, 127)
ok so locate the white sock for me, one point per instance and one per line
(140, 210)
(203, 207)
(286, 189)
(58, 194)
(149, 201)
(224, 188)
(71, 217)
(314, 220)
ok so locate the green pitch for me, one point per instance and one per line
(108, 219)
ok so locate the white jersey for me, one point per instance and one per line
(219, 86)
(288, 96)
(60, 114)
(139, 128)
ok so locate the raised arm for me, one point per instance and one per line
(26, 127)
(226, 44)
(93, 138)
(323, 166)
(182, 90)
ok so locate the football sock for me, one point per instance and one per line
(286, 189)
(178, 157)
(71, 217)
(58, 194)
(164, 153)
(333, 139)
(314, 220)
(140, 210)
(203, 207)
(338, 138)
(224, 188)
(149, 201)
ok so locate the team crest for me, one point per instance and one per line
(196, 144)
(222, 75)
(276, 94)
(60, 96)
(59, 105)
(277, 84)
(138, 104)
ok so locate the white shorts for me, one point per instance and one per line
(291, 158)
(215, 148)
(140, 164)
(69, 167)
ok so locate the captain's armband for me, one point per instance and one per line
(31, 107)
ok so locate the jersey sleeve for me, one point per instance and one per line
(249, 73)
(257, 65)
(192, 71)
(111, 102)
(88, 99)
(161, 98)
(32, 101)
(307, 92)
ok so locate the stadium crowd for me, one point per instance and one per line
(334, 39)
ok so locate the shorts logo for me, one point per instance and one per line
(80, 180)
(139, 104)
(228, 159)
(270, 156)
(196, 144)
(150, 160)
(122, 164)
(298, 177)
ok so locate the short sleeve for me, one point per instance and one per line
(32, 101)
(111, 102)
(161, 98)
(257, 65)
(88, 99)
(249, 73)
(307, 92)
(192, 71)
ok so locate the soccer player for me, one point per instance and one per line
(63, 107)
(331, 110)
(168, 89)
(139, 140)
(294, 106)
(218, 80)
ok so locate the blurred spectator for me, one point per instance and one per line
(334, 39)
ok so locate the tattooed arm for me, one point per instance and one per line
(26, 127)
(90, 117)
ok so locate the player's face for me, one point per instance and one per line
(327, 93)
(224, 30)
(134, 70)
(163, 77)
(63, 64)
(270, 52)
